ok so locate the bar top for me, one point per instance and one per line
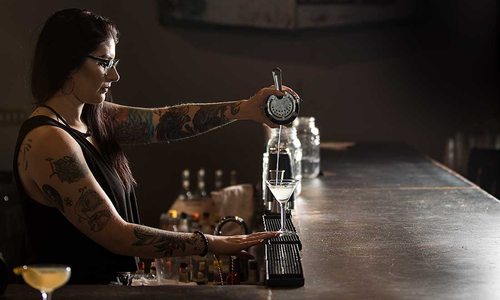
(383, 222)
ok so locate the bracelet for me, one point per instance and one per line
(205, 242)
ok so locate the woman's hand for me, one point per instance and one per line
(236, 244)
(254, 107)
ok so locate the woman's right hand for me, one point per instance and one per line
(253, 108)
(236, 244)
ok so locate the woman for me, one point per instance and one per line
(74, 180)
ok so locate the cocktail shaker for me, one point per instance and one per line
(281, 110)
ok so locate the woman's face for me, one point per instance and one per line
(91, 81)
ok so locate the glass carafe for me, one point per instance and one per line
(289, 141)
(308, 134)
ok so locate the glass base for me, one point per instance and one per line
(286, 233)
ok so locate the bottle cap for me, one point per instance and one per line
(172, 213)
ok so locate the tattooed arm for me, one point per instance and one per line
(54, 173)
(143, 125)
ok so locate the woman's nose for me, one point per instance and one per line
(113, 75)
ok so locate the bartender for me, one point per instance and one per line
(74, 180)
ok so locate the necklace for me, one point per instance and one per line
(85, 134)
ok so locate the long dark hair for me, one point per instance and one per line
(66, 39)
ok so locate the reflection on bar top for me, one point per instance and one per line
(339, 146)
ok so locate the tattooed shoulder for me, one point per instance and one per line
(23, 153)
(67, 168)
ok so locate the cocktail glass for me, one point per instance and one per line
(276, 175)
(45, 278)
(282, 190)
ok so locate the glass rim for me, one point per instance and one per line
(287, 180)
(42, 265)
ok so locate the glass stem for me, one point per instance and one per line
(46, 296)
(283, 217)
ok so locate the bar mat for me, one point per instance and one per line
(273, 223)
(283, 265)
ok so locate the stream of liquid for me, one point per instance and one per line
(278, 154)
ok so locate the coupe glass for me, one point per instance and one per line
(282, 190)
(45, 278)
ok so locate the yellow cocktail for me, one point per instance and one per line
(45, 278)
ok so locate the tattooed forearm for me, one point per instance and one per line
(90, 209)
(235, 108)
(167, 243)
(172, 125)
(68, 168)
(208, 117)
(133, 125)
(176, 122)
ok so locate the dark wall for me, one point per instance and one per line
(414, 82)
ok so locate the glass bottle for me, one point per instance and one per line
(195, 222)
(167, 268)
(185, 193)
(308, 134)
(201, 271)
(233, 178)
(290, 141)
(201, 192)
(184, 223)
(219, 183)
(206, 224)
(184, 273)
(164, 221)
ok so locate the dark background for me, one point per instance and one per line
(415, 81)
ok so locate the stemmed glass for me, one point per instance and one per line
(45, 278)
(281, 189)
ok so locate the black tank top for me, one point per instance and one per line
(53, 239)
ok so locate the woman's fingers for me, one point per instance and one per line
(232, 245)
(255, 236)
(257, 103)
(248, 244)
(272, 91)
(285, 88)
(254, 240)
(265, 235)
(288, 89)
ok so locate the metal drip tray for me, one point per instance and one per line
(283, 266)
(282, 255)
(273, 223)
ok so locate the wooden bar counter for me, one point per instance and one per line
(383, 222)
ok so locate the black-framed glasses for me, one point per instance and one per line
(107, 64)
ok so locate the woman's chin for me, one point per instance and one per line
(101, 98)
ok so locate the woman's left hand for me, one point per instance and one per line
(255, 105)
(237, 244)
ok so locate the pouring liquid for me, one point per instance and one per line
(278, 151)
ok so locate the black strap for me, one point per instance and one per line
(86, 134)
